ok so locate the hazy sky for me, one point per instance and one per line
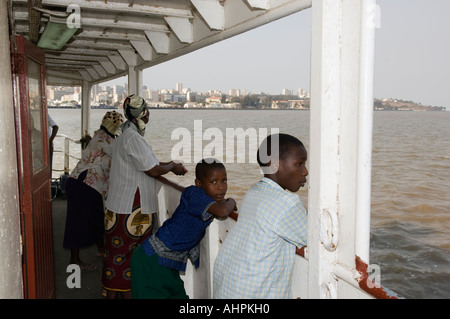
(412, 57)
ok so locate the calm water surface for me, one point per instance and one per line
(410, 236)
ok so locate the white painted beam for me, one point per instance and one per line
(119, 7)
(129, 57)
(118, 62)
(65, 75)
(259, 4)
(108, 65)
(144, 49)
(73, 57)
(96, 34)
(212, 12)
(182, 27)
(121, 24)
(83, 51)
(93, 73)
(100, 70)
(70, 63)
(159, 40)
(86, 75)
(59, 66)
(100, 44)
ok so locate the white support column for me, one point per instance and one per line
(134, 81)
(139, 79)
(340, 142)
(85, 107)
(134, 74)
(365, 130)
(324, 141)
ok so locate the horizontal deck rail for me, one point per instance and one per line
(67, 153)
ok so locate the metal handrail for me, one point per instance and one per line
(66, 152)
(57, 182)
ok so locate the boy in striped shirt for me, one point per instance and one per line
(257, 257)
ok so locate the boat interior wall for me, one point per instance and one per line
(10, 243)
(120, 35)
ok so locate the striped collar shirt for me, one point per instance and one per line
(257, 257)
(132, 156)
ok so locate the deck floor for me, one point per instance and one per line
(91, 287)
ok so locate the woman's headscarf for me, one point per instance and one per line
(135, 109)
(111, 122)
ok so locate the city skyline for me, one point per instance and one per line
(104, 94)
(410, 56)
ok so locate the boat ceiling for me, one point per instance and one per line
(115, 35)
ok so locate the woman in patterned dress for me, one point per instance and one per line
(86, 190)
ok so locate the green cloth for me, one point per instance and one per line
(152, 281)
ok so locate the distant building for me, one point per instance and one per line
(179, 87)
(302, 93)
(213, 100)
(286, 92)
(280, 105)
(191, 105)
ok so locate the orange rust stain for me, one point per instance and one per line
(374, 290)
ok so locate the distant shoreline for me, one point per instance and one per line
(229, 109)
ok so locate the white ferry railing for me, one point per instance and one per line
(65, 157)
(66, 152)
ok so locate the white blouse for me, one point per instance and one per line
(131, 158)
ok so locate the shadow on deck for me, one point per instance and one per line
(91, 287)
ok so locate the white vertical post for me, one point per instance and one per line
(66, 156)
(85, 107)
(324, 140)
(365, 128)
(134, 74)
(139, 80)
(340, 141)
(132, 81)
(213, 251)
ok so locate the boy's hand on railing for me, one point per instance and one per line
(223, 209)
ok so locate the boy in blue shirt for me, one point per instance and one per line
(156, 264)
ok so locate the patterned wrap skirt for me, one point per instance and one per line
(123, 233)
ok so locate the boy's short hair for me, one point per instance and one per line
(284, 141)
(205, 165)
